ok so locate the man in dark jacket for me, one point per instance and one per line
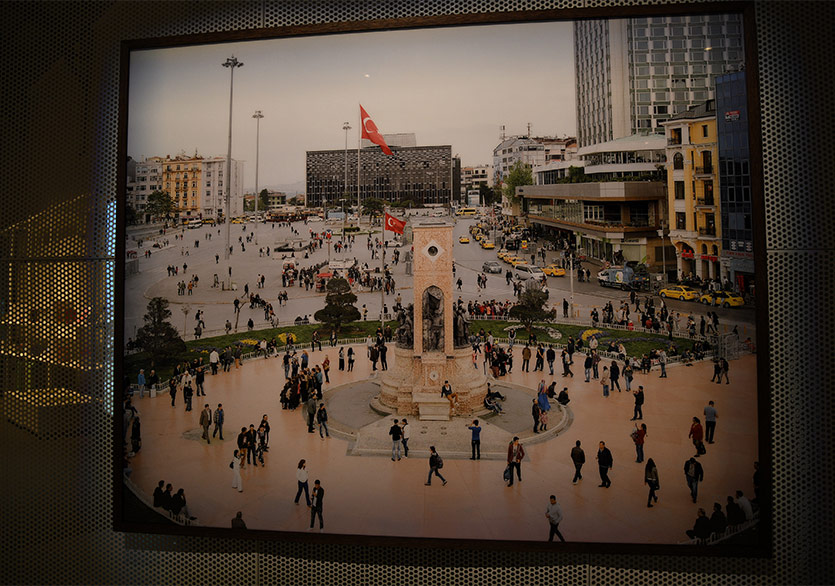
(587, 364)
(604, 464)
(535, 415)
(702, 529)
(694, 474)
(578, 456)
(158, 494)
(639, 403)
(515, 454)
(718, 522)
(550, 356)
(316, 505)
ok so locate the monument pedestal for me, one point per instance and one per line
(412, 386)
(433, 328)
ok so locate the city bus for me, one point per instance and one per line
(466, 212)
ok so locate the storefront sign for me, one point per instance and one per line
(732, 116)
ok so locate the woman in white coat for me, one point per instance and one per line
(236, 472)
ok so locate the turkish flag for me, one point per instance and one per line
(369, 131)
(394, 224)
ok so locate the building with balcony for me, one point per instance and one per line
(635, 73)
(606, 219)
(692, 192)
(737, 238)
(427, 175)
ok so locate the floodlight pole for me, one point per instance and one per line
(232, 63)
(258, 115)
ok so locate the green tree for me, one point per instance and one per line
(263, 199)
(372, 206)
(160, 204)
(576, 175)
(297, 200)
(531, 308)
(339, 305)
(158, 337)
(519, 174)
(488, 195)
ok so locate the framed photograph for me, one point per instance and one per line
(487, 281)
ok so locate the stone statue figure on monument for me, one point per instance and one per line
(405, 331)
(461, 327)
(433, 319)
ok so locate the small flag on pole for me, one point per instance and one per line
(370, 131)
(394, 224)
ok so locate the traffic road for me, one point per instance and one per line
(217, 304)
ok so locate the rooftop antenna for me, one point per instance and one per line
(503, 135)
(529, 129)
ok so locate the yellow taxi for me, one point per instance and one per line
(464, 240)
(554, 271)
(502, 253)
(478, 237)
(508, 258)
(238, 220)
(723, 298)
(487, 245)
(680, 292)
(516, 261)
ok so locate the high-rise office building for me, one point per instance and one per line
(635, 73)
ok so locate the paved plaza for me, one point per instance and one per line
(368, 493)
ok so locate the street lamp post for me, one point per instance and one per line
(663, 253)
(258, 115)
(232, 63)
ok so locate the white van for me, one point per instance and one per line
(530, 271)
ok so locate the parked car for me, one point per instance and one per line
(491, 266)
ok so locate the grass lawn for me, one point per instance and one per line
(202, 347)
(636, 342)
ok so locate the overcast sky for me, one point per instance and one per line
(448, 86)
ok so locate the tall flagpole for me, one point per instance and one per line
(359, 147)
(383, 272)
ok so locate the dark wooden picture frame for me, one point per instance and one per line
(746, 9)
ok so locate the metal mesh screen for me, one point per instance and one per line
(60, 119)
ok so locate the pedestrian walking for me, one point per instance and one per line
(235, 465)
(553, 513)
(526, 358)
(604, 464)
(697, 434)
(316, 508)
(301, 479)
(723, 371)
(587, 364)
(604, 381)
(638, 436)
(694, 474)
(322, 420)
(515, 454)
(407, 432)
(475, 428)
(638, 412)
(710, 421)
(535, 414)
(218, 421)
(396, 433)
(435, 464)
(205, 422)
(341, 358)
(578, 457)
(651, 480)
(662, 361)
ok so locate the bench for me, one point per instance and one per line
(431, 406)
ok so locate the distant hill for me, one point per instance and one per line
(288, 188)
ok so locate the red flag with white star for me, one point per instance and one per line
(370, 131)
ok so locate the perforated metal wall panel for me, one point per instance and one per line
(60, 87)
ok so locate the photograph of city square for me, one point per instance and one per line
(475, 283)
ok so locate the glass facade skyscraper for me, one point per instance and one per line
(632, 74)
(735, 180)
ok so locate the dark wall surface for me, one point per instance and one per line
(60, 84)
